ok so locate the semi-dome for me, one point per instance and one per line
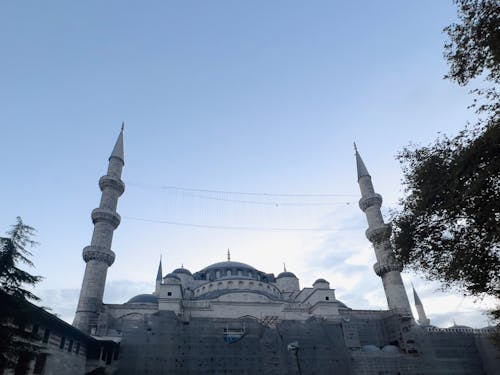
(371, 348)
(459, 326)
(143, 298)
(321, 281)
(182, 271)
(390, 349)
(172, 276)
(286, 274)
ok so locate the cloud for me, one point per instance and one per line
(63, 302)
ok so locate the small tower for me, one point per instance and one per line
(159, 278)
(99, 255)
(378, 233)
(422, 318)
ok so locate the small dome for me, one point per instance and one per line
(172, 276)
(321, 281)
(371, 348)
(286, 274)
(390, 349)
(143, 298)
(183, 271)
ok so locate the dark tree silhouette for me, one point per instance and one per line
(449, 227)
(15, 313)
(473, 50)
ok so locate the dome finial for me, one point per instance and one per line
(284, 267)
(228, 255)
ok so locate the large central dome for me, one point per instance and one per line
(229, 265)
(230, 269)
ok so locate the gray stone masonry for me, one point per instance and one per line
(378, 233)
(99, 255)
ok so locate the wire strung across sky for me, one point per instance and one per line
(171, 187)
(262, 209)
(247, 228)
(225, 196)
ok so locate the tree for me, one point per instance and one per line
(449, 225)
(15, 312)
(473, 50)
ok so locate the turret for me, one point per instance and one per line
(379, 233)
(287, 281)
(422, 317)
(99, 255)
(159, 277)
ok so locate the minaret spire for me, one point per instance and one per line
(422, 317)
(379, 233)
(159, 278)
(99, 255)
(159, 274)
(360, 165)
(118, 149)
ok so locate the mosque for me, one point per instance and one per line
(231, 318)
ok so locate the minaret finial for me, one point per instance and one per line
(123, 125)
(228, 255)
(355, 148)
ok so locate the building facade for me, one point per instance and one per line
(231, 318)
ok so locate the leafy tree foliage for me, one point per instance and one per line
(473, 50)
(15, 312)
(449, 226)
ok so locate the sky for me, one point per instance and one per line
(221, 99)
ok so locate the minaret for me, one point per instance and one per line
(159, 277)
(422, 318)
(99, 255)
(379, 233)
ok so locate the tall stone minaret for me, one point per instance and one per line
(99, 255)
(422, 317)
(379, 235)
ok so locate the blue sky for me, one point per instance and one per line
(260, 96)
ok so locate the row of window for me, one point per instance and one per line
(62, 345)
(230, 283)
(46, 337)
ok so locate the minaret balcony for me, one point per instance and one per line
(103, 215)
(390, 266)
(114, 183)
(368, 201)
(98, 253)
(379, 234)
